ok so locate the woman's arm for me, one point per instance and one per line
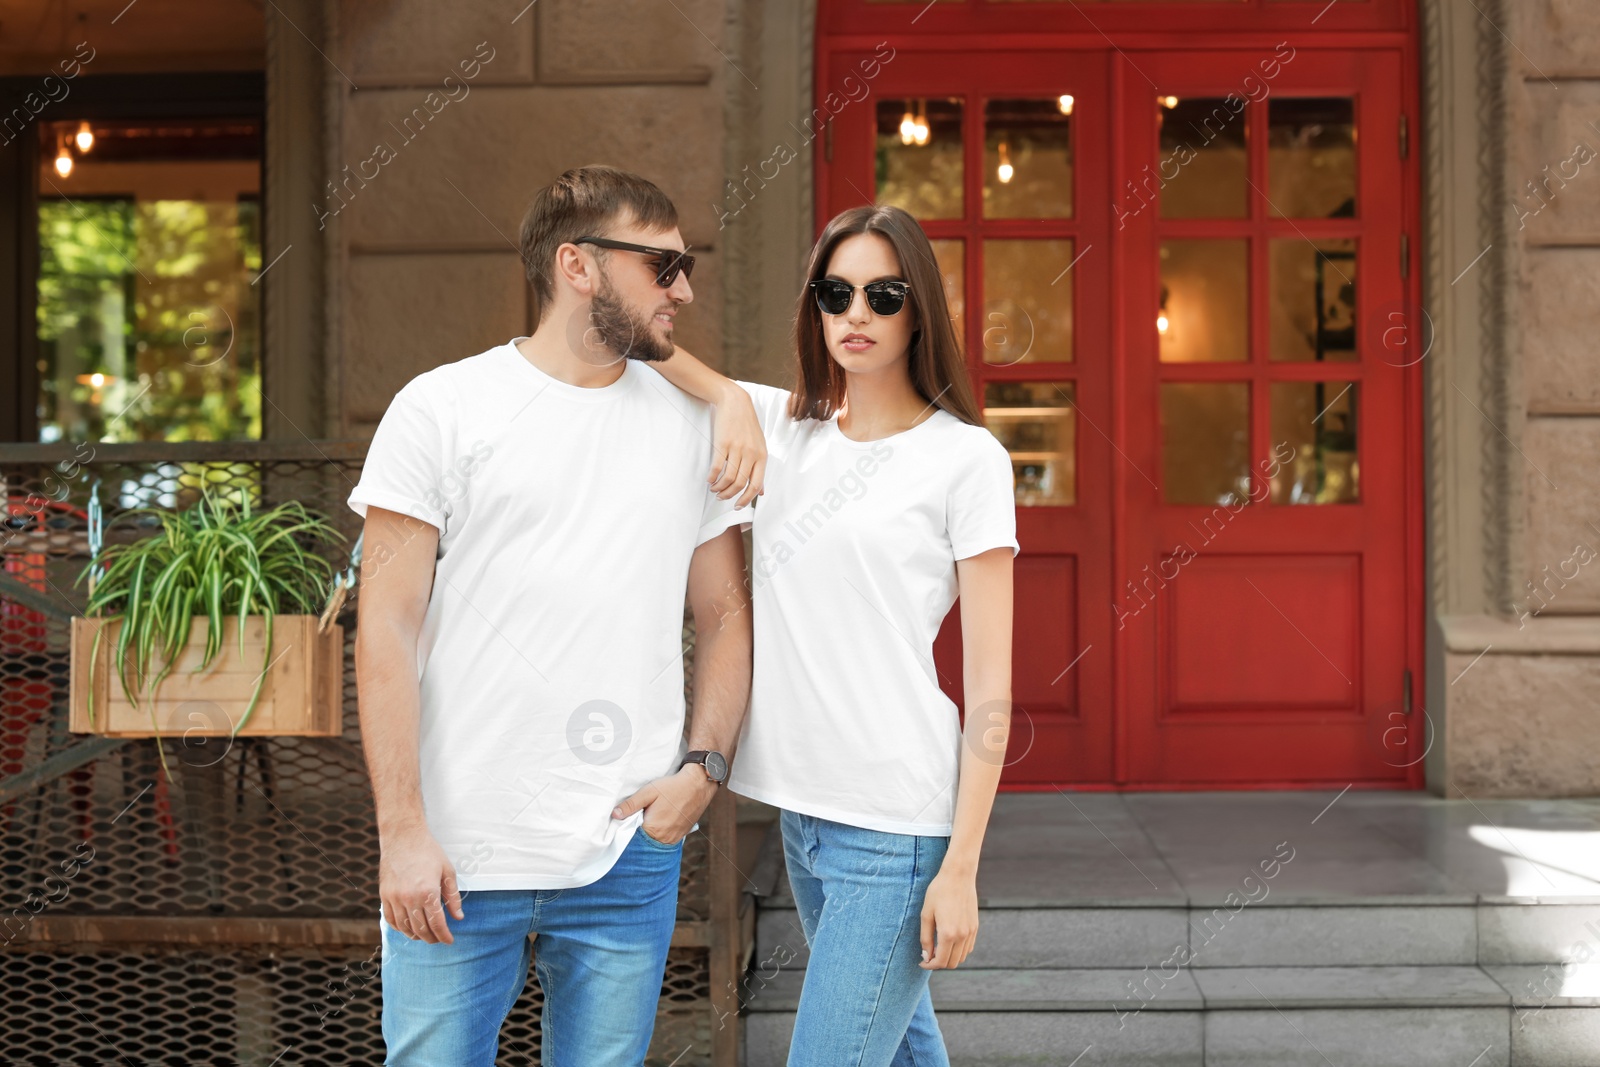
(738, 450)
(950, 909)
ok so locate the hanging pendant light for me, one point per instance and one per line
(921, 135)
(908, 126)
(63, 157)
(1064, 102)
(85, 137)
(1005, 170)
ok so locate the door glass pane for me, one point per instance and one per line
(1204, 162)
(1312, 301)
(1311, 157)
(1038, 425)
(149, 242)
(1027, 301)
(1314, 441)
(1205, 442)
(952, 268)
(919, 156)
(1203, 315)
(1027, 158)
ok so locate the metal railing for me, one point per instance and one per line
(230, 914)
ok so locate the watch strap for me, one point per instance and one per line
(699, 755)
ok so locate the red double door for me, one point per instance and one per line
(1180, 285)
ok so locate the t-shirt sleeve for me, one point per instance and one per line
(771, 403)
(716, 514)
(981, 510)
(403, 471)
(772, 408)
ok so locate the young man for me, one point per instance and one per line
(534, 514)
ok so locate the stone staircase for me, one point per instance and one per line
(1264, 929)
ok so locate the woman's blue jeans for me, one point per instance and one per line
(601, 956)
(865, 1001)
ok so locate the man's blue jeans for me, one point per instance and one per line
(864, 1001)
(601, 956)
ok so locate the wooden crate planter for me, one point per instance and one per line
(303, 694)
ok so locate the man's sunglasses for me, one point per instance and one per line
(884, 298)
(667, 262)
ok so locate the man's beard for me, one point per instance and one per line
(618, 328)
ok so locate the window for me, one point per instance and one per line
(137, 313)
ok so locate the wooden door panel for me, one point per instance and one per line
(1276, 651)
(1279, 634)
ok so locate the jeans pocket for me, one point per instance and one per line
(654, 843)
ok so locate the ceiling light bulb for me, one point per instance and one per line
(1064, 102)
(85, 137)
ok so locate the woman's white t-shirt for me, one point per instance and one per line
(853, 572)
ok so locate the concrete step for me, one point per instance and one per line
(1449, 1016)
(1335, 929)
(1344, 935)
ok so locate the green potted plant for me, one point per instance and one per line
(219, 589)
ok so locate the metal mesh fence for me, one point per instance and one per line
(277, 828)
(191, 1006)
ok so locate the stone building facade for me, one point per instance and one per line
(406, 138)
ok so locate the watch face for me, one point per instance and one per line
(716, 766)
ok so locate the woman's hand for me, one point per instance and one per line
(950, 912)
(738, 450)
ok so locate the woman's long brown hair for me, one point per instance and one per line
(937, 368)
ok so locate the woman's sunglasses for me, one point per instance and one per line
(667, 262)
(884, 298)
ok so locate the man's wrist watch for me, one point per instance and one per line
(716, 767)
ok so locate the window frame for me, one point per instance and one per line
(212, 94)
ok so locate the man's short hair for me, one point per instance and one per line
(584, 202)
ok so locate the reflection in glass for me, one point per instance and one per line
(1311, 157)
(1027, 159)
(1205, 442)
(1312, 299)
(1027, 301)
(952, 269)
(1038, 425)
(1317, 420)
(1203, 313)
(923, 176)
(148, 324)
(1204, 162)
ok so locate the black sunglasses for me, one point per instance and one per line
(884, 298)
(667, 262)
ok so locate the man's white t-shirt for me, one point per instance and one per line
(853, 571)
(550, 658)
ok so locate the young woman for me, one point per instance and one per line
(884, 498)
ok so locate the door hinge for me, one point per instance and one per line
(827, 142)
(1405, 256)
(1405, 692)
(1405, 141)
